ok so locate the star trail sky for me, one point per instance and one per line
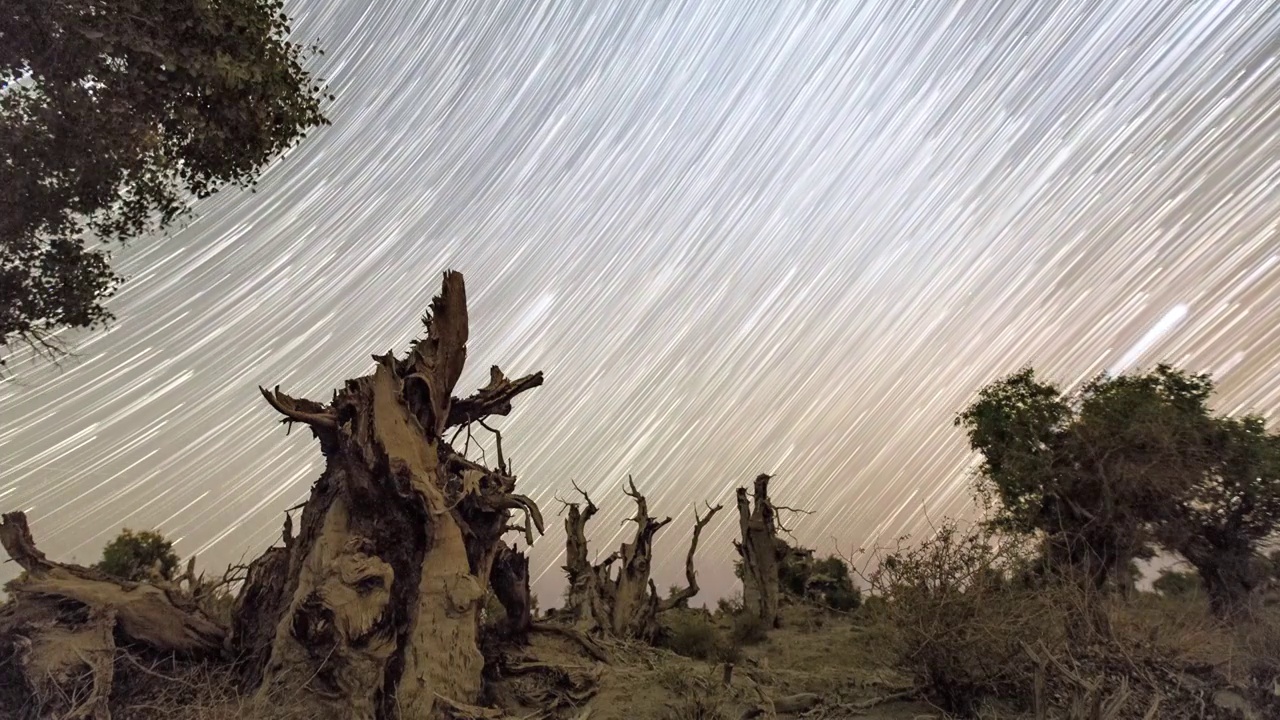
(780, 236)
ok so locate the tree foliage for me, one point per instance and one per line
(1128, 461)
(824, 581)
(114, 114)
(137, 556)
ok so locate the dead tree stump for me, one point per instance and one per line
(625, 602)
(373, 609)
(63, 622)
(758, 548)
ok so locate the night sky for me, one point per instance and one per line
(738, 237)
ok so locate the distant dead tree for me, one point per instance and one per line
(624, 602)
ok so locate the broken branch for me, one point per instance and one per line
(493, 399)
(15, 536)
(300, 410)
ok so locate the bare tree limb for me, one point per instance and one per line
(299, 410)
(497, 440)
(15, 536)
(681, 597)
(516, 501)
(493, 399)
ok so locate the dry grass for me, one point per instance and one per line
(974, 637)
(151, 689)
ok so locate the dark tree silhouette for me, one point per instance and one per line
(112, 116)
(1127, 462)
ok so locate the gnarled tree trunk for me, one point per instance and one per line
(625, 603)
(373, 608)
(758, 549)
(1229, 573)
(509, 579)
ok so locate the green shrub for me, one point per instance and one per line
(139, 556)
(1174, 584)
(826, 582)
(693, 635)
(748, 630)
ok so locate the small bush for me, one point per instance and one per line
(748, 630)
(695, 697)
(139, 556)
(694, 636)
(729, 606)
(1174, 584)
(959, 626)
(826, 582)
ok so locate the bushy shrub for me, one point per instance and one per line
(138, 556)
(1174, 584)
(728, 606)
(826, 582)
(692, 635)
(748, 630)
(960, 626)
(693, 697)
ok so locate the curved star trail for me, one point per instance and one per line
(792, 237)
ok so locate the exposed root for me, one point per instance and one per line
(591, 647)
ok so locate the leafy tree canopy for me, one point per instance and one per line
(1125, 462)
(113, 114)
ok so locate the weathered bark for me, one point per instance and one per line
(63, 622)
(635, 599)
(624, 603)
(257, 611)
(758, 549)
(586, 604)
(373, 609)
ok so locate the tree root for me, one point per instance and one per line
(590, 646)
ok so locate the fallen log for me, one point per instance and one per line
(144, 614)
(64, 622)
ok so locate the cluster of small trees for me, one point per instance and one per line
(1125, 467)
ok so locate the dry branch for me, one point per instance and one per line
(681, 597)
(493, 399)
(299, 410)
